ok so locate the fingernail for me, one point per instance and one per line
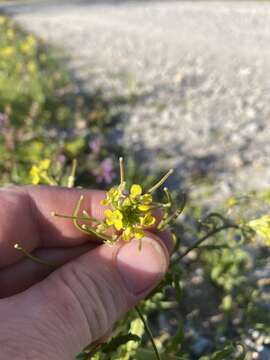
(141, 267)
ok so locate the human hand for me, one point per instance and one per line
(52, 314)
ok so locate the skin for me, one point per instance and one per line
(54, 312)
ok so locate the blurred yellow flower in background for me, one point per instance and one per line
(40, 172)
(28, 45)
(7, 51)
(262, 227)
(2, 20)
(32, 67)
(10, 34)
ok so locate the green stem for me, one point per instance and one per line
(204, 238)
(168, 196)
(49, 180)
(149, 332)
(71, 178)
(160, 182)
(90, 230)
(32, 257)
(172, 218)
(71, 217)
(121, 164)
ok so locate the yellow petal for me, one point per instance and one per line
(117, 214)
(118, 224)
(144, 207)
(127, 202)
(138, 233)
(35, 179)
(45, 164)
(127, 234)
(109, 222)
(148, 220)
(108, 213)
(34, 170)
(104, 202)
(135, 190)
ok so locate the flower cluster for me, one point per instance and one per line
(128, 212)
(40, 172)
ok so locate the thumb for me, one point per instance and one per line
(79, 303)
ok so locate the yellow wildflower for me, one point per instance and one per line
(147, 220)
(3, 20)
(114, 218)
(10, 34)
(135, 191)
(28, 45)
(262, 227)
(129, 211)
(39, 172)
(130, 233)
(231, 202)
(32, 67)
(112, 196)
(7, 51)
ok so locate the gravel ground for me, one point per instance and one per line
(194, 78)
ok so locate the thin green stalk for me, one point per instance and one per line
(71, 178)
(160, 182)
(149, 332)
(170, 220)
(32, 257)
(71, 217)
(49, 180)
(121, 164)
(204, 238)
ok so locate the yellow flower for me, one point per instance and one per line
(131, 212)
(262, 227)
(34, 172)
(145, 202)
(7, 51)
(39, 172)
(231, 202)
(127, 234)
(2, 20)
(112, 196)
(128, 211)
(135, 190)
(10, 34)
(114, 218)
(28, 45)
(147, 220)
(138, 233)
(45, 164)
(32, 67)
(130, 233)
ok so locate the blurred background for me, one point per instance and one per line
(168, 84)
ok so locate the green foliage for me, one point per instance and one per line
(42, 115)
